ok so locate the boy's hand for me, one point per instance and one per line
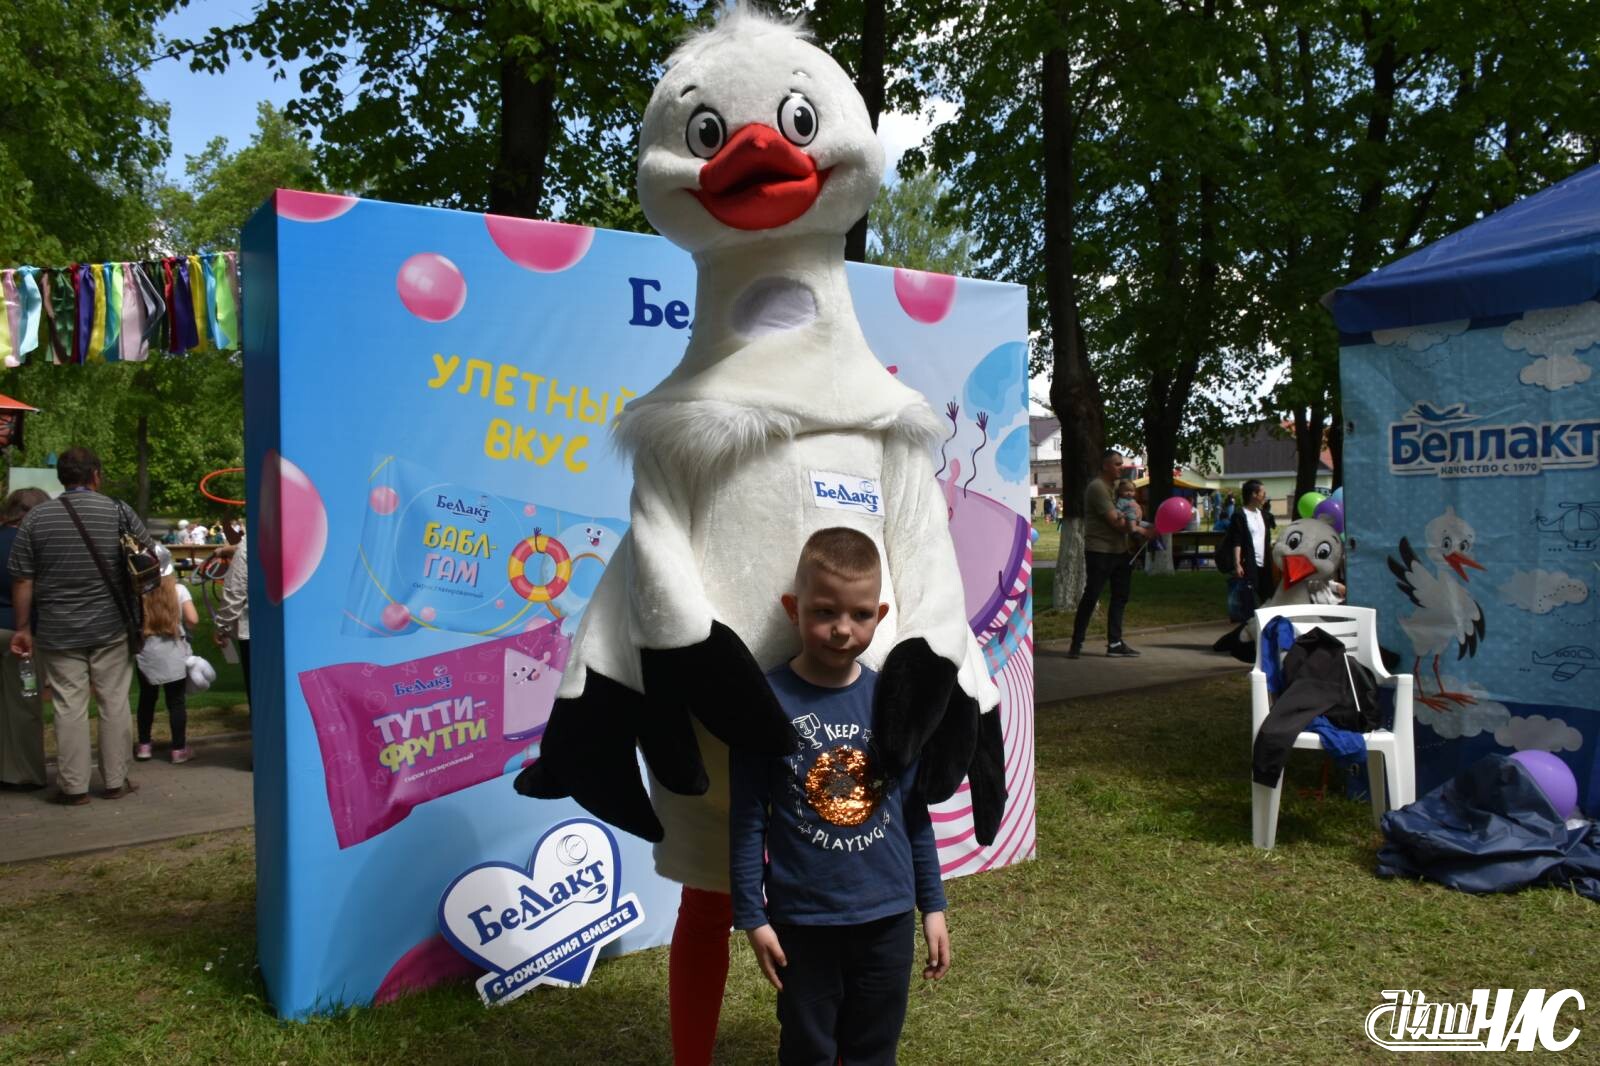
(769, 953)
(938, 938)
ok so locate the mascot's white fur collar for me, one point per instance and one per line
(734, 394)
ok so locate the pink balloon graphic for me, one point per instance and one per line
(396, 616)
(543, 246)
(428, 614)
(529, 509)
(293, 526)
(431, 287)
(926, 297)
(384, 500)
(312, 206)
(1173, 515)
(499, 604)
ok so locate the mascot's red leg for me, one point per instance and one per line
(697, 972)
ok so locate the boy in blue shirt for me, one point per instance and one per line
(842, 853)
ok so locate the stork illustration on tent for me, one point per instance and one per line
(1446, 616)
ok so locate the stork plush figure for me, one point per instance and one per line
(757, 155)
(1446, 616)
(1308, 554)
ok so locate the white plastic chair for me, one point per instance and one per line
(1391, 755)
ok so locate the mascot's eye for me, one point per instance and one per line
(706, 133)
(1293, 540)
(1324, 550)
(797, 119)
(1447, 544)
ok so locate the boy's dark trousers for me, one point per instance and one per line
(844, 991)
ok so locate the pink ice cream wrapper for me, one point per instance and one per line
(395, 737)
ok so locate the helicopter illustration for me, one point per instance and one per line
(1578, 522)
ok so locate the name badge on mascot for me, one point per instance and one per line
(543, 924)
(846, 492)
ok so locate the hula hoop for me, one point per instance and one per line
(539, 544)
(218, 473)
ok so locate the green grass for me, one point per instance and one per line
(220, 709)
(1147, 931)
(1170, 600)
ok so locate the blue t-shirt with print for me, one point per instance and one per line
(830, 841)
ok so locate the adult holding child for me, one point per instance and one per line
(1108, 535)
(21, 714)
(66, 557)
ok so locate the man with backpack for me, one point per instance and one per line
(76, 616)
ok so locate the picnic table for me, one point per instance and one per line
(1195, 547)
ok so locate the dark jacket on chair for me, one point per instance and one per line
(1318, 678)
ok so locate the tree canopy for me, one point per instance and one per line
(79, 137)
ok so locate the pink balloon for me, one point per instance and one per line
(1173, 515)
(499, 605)
(543, 246)
(427, 614)
(384, 500)
(431, 287)
(293, 527)
(312, 206)
(926, 297)
(396, 616)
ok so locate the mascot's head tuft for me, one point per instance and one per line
(754, 133)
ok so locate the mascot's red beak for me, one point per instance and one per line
(1459, 564)
(1296, 568)
(759, 180)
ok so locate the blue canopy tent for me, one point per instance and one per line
(1472, 403)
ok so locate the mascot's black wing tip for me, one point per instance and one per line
(587, 753)
(720, 683)
(914, 693)
(987, 779)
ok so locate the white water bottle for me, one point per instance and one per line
(30, 681)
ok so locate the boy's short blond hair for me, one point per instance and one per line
(845, 553)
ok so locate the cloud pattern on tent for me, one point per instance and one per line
(1555, 331)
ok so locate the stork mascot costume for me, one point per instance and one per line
(757, 155)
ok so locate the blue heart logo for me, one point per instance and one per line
(543, 923)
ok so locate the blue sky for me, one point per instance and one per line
(208, 105)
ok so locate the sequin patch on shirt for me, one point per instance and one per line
(838, 787)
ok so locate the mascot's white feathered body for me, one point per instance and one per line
(757, 155)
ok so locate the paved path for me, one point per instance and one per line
(1167, 656)
(209, 793)
(214, 791)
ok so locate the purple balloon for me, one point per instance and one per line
(1554, 779)
(1331, 511)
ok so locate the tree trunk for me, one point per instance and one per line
(1074, 387)
(1309, 425)
(870, 82)
(141, 493)
(527, 123)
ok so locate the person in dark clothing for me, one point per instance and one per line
(1107, 558)
(829, 858)
(21, 717)
(1250, 541)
